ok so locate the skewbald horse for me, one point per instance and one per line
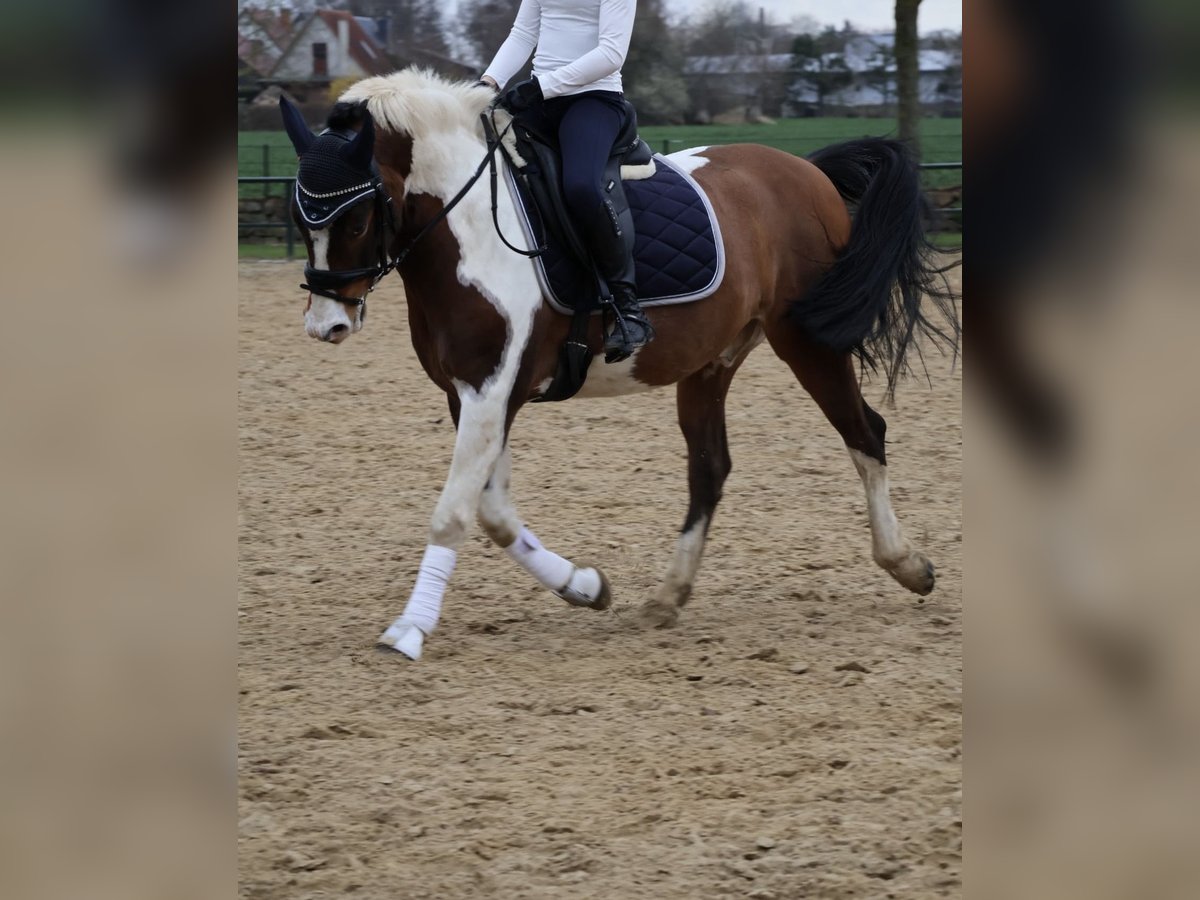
(820, 287)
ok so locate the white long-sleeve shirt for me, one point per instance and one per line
(581, 45)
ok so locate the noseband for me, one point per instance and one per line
(322, 210)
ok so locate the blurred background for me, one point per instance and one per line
(793, 74)
(1083, 424)
(120, 393)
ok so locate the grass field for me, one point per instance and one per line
(267, 251)
(270, 153)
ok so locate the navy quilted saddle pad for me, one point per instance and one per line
(678, 250)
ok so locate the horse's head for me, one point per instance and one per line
(429, 136)
(345, 216)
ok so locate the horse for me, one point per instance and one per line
(828, 291)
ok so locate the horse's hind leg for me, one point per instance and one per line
(830, 378)
(578, 585)
(701, 402)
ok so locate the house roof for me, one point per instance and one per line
(750, 64)
(263, 35)
(444, 64)
(363, 48)
(741, 64)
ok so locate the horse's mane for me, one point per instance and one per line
(419, 101)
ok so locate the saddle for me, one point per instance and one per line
(536, 163)
(539, 167)
(678, 253)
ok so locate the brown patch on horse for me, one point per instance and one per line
(783, 223)
(456, 331)
(394, 153)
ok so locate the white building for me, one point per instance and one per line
(331, 44)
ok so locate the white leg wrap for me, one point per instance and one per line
(575, 585)
(550, 569)
(424, 606)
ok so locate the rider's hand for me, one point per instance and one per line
(522, 96)
(489, 82)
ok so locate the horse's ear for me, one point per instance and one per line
(295, 125)
(362, 148)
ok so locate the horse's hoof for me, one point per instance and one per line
(405, 639)
(576, 597)
(604, 599)
(655, 614)
(916, 573)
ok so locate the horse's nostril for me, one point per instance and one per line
(336, 332)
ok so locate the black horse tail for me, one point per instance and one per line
(870, 302)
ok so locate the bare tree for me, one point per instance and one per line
(484, 25)
(819, 65)
(653, 70)
(908, 72)
(411, 24)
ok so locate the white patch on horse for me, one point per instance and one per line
(323, 314)
(612, 380)
(320, 239)
(497, 514)
(887, 542)
(889, 547)
(443, 119)
(690, 159)
(477, 446)
(476, 451)
(686, 561)
(415, 101)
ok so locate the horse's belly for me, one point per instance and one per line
(615, 380)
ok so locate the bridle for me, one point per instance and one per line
(324, 282)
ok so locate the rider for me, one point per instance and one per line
(576, 89)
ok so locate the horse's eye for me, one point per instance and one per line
(357, 230)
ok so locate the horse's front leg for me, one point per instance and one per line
(578, 585)
(479, 443)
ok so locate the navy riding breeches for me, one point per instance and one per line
(588, 125)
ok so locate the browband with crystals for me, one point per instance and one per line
(317, 211)
(361, 187)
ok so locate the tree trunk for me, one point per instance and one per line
(908, 72)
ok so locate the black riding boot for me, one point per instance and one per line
(611, 243)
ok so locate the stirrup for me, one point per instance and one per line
(618, 346)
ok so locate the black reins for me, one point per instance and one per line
(323, 282)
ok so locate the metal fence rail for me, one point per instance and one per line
(289, 227)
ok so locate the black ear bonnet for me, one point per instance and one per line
(333, 176)
(337, 167)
